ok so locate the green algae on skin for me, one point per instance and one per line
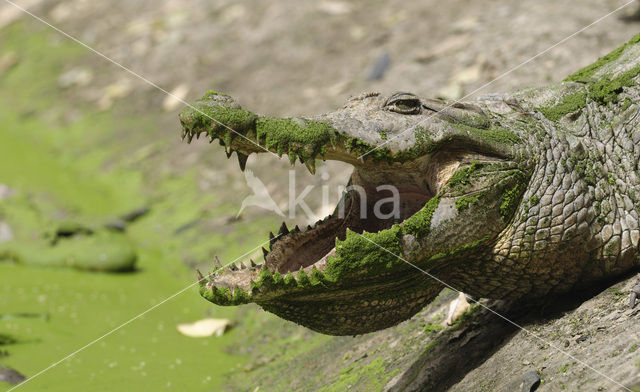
(568, 104)
(606, 90)
(366, 254)
(602, 91)
(303, 137)
(587, 73)
(467, 201)
(511, 200)
(501, 136)
(419, 224)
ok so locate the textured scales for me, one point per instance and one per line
(529, 194)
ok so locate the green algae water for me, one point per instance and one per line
(56, 171)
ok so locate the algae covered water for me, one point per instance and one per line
(62, 161)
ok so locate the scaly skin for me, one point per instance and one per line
(529, 194)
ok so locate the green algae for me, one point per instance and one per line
(368, 253)
(216, 119)
(305, 139)
(606, 90)
(286, 135)
(89, 169)
(467, 201)
(433, 328)
(7, 339)
(459, 251)
(371, 376)
(587, 73)
(490, 136)
(568, 104)
(419, 224)
(511, 200)
(462, 177)
(603, 90)
(102, 251)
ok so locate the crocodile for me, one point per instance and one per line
(522, 195)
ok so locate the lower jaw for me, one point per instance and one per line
(341, 309)
(308, 249)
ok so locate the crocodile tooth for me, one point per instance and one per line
(242, 266)
(309, 227)
(300, 274)
(210, 282)
(233, 267)
(296, 229)
(199, 276)
(283, 229)
(253, 265)
(216, 262)
(242, 160)
(311, 165)
(265, 253)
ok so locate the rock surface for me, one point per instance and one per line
(587, 342)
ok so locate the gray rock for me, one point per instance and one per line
(11, 376)
(531, 382)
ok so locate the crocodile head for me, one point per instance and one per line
(440, 187)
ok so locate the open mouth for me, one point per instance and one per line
(378, 195)
(385, 188)
(342, 274)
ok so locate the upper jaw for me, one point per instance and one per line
(350, 134)
(363, 132)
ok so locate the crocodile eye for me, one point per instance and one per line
(404, 103)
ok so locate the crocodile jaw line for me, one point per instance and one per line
(296, 250)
